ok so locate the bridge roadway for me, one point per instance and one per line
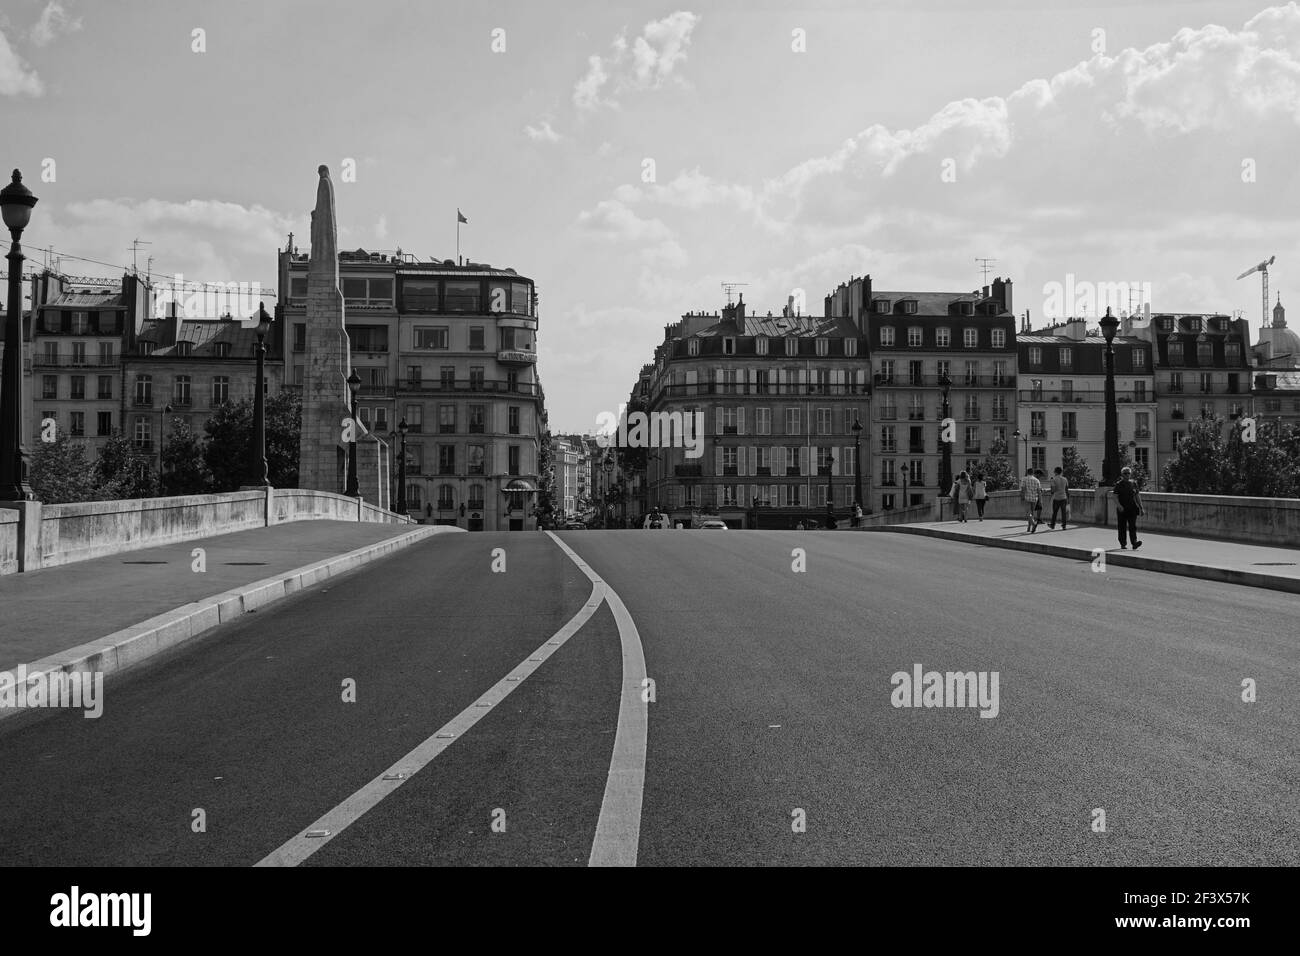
(772, 703)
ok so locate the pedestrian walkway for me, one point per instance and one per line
(1230, 561)
(51, 610)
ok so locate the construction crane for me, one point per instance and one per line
(730, 287)
(1262, 269)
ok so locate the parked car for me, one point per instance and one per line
(574, 526)
(713, 525)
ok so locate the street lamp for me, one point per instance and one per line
(1024, 446)
(1109, 325)
(857, 461)
(608, 467)
(945, 463)
(258, 472)
(16, 202)
(402, 428)
(352, 490)
(907, 472)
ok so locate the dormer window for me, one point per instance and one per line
(693, 346)
(850, 347)
(760, 345)
(882, 306)
(968, 308)
(1194, 325)
(791, 345)
(222, 349)
(909, 306)
(823, 346)
(728, 346)
(183, 349)
(1165, 323)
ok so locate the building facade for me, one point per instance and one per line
(450, 349)
(915, 341)
(1061, 399)
(1202, 369)
(778, 398)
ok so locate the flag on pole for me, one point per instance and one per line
(460, 216)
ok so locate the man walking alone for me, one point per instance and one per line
(1031, 492)
(981, 495)
(1060, 497)
(1130, 506)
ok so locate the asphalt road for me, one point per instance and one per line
(1119, 691)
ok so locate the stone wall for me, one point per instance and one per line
(77, 532)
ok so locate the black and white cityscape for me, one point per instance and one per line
(352, 352)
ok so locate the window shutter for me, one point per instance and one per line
(803, 460)
(752, 377)
(717, 414)
(835, 462)
(740, 420)
(717, 460)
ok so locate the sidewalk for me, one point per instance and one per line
(53, 611)
(1248, 564)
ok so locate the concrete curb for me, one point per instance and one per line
(1123, 559)
(131, 645)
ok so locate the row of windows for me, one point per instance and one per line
(801, 495)
(445, 459)
(448, 421)
(942, 337)
(1065, 356)
(374, 338)
(822, 345)
(445, 497)
(432, 295)
(77, 423)
(81, 322)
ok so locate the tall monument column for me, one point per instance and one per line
(322, 455)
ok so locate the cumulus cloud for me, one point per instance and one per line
(646, 62)
(16, 77)
(53, 22)
(542, 133)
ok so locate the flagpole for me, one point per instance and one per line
(457, 237)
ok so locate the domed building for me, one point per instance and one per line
(1278, 346)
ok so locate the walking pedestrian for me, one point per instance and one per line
(1060, 497)
(1031, 493)
(1129, 507)
(1044, 491)
(981, 495)
(799, 527)
(963, 491)
(857, 514)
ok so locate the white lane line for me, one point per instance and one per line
(618, 830)
(312, 838)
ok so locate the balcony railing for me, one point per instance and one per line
(64, 360)
(447, 386)
(143, 401)
(889, 449)
(371, 389)
(1069, 434)
(933, 381)
(792, 471)
(1142, 434)
(889, 413)
(916, 414)
(746, 388)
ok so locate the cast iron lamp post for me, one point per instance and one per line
(353, 491)
(16, 202)
(1109, 472)
(258, 472)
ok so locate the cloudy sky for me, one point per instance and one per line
(631, 157)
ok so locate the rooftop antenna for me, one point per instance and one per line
(730, 287)
(984, 268)
(135, 247)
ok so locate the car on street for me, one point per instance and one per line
(713, 525)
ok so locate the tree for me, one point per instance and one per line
(996, 472)
(230, 436)
(185, 470)
(60, 473)
(545, 478)
(122, 473)
(1266, 469)
(1075, 468)
(1200, 465)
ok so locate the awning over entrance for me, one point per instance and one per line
(520, 484)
